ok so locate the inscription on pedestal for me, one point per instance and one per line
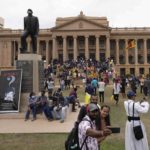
(27, 76)
(41, 75)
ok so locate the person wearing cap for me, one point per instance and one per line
(87, 128)
(131, 143)
(31, 27)
(83, 111)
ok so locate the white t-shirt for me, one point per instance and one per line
(50, 84)
(116, 88)
(101, 86)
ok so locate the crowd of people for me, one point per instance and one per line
(94, 117)
(54, 106)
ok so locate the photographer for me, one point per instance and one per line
(133, 110)
(87, 129)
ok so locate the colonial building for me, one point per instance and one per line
(87, 37)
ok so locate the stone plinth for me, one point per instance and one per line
(33, 68)
(34, 57)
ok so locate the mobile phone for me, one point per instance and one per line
(114, 129)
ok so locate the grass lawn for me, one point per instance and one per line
(56, 141)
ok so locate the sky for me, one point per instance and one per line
(120, 13)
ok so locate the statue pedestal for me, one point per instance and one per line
(33, 72)
(32, 76)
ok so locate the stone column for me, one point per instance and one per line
(117, 51)
(126, 52)
(107, 47)
(38, 46)
(97, 48)
(75, 47)
(54, 48)
(86, 47)
(14, 52)
(136, 59)
(64, 48)
(136, 52)
(6, 58)
(145, 51)
(47, 52)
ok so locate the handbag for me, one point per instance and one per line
(137, 130)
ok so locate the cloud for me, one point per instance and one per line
(120, 13)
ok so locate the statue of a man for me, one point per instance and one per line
(31, 28)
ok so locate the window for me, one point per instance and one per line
(132, 71)
(131, 59)
(70, 42)
(122, 71)
(148, 44)
(140, 44)
(43, 45)
(141, 70)
(81, 42)
(148, 58)
(102, 43)
(140, 59)
(121, 45)
(102, 57)
(121, 59)
(112, 45)
(92, 41)
(60, 42)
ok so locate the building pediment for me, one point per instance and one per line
(80, 23)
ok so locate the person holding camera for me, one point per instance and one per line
(87, 132)
(135, 140)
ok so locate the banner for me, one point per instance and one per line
(10, 88)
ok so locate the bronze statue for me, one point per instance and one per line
(31, 28)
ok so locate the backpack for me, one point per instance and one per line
(72, 142)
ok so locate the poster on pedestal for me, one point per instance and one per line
(10, 90)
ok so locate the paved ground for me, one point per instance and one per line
(14, 123)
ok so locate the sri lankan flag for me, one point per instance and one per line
(131, 44)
